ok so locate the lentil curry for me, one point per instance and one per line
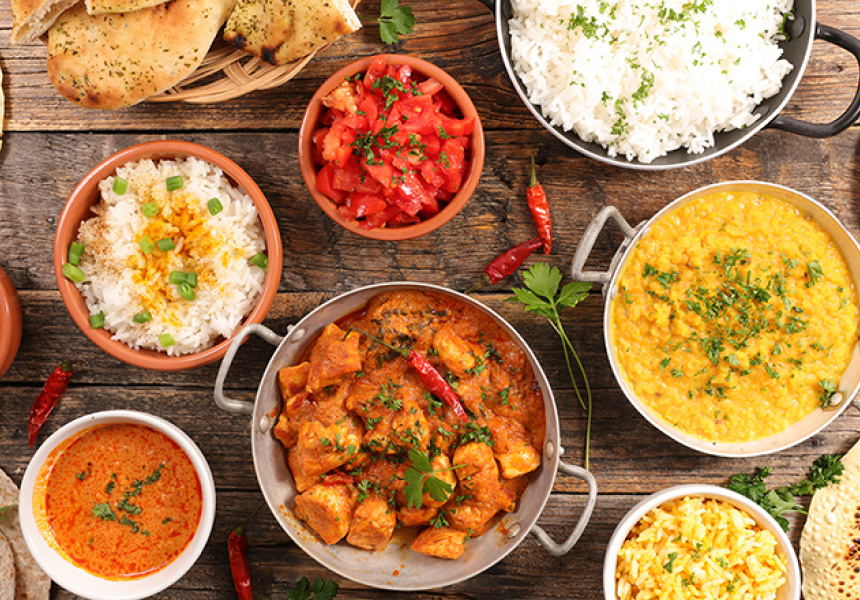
(371, 449)
(735, 317)
(119, 500)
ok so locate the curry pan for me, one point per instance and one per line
(397, 567)
(849, 384)
(803, 30)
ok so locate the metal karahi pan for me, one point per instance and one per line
(849, 384)
(803, 30)
(397, 567)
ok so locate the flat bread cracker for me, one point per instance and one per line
(32, 18)
(7, 569)
(283, 31)
(31, 583)
(116, 60)
(830, 543)
(2, 108)
(102, 7)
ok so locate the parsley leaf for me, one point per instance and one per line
(421, 479)
(394, 21)
(828, 388)
(320, 589)
(104, 512)
(542, 296)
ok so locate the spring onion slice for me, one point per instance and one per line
(73, 273)
(98, 321)
(146, 244)
(177, 277)
(120, 185)
(191, 279)
(142, 317)
(174, 183)
(166, 244)
(165, 339)
(186, 291)
(260, 260)
(76, 250)
(150, 209)
(215, 206)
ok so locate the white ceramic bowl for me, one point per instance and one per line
(74, 578)
(790, 590)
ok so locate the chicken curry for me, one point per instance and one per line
(371, 448)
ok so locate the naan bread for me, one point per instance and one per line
(31, 583)
(32, 18)
(116, 60)
(282, 31)
(830, 543)
(2, 114)
(101, 7)
(7, 570)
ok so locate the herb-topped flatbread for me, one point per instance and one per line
(282, 31)
(101, 7)
(31, 583)
(116, 60)
(32, 18)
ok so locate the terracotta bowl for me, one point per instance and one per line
(10, 322)
(311, 122)
(77, 209)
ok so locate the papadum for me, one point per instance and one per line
(830, 543)
(32, 18)
(31, 583)
(282, 31)
(116, 60)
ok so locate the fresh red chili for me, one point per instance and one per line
(48, 398)
(236, 547)
(539, 207)
(508, 262)
(427, 373)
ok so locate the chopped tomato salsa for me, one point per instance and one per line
(393, 149)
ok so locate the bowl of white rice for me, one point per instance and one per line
(164, 251)
(666, 84)
(700, 541)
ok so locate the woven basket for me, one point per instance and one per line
(227, 72)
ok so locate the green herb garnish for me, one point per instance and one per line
(421, 479)
(394, 21)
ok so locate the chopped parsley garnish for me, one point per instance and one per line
(421, 479)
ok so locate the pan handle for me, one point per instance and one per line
(229, 404)
(823, 130)
(586, 244)
(562, 549)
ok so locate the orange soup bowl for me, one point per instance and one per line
(421, 70)
(78, 209)
(120, 494)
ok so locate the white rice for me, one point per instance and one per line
(122, 281)
(645, 78)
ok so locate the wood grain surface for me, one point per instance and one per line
(50, 144)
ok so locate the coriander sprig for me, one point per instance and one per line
(543, 297)
(320, 589)
(421, 479)
(394, 21)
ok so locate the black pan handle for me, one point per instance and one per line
(816, 130)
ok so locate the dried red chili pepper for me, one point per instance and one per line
(508, 262)
(237, 548)
(48, 398)
(430, 377)
(539, 207)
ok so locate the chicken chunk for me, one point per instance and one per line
(441, 543)
(320, 449)
(416, 517)
(328, 510)
(292, 380)
(515, 454)
(478, 475)
(372, 524)
(444, 472)
(458, 354)
(334, 355)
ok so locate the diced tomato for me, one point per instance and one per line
(325, 184)
(397, 154)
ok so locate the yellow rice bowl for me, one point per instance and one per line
(735, 317)
(697, 547)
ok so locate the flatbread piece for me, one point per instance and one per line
(283, 31)
(830, 543)
(116, 60)
(7, 570)
(32, 18)
(101, 7)
(31, 583)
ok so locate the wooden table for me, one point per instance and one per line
(50, 144)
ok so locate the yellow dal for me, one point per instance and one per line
(704, 373)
